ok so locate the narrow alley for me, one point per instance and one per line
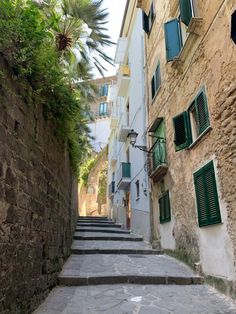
(113, 271)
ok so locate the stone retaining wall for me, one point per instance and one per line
(38, 201)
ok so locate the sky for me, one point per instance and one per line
(116, 12)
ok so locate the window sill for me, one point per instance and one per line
(212, 224)
(208, 129)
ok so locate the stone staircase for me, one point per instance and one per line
(114, 271)
(104, 253)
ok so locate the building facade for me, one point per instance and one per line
(90, 200)
(128, 179)
(100, 111)
(191, 103)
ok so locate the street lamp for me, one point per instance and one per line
(133, 137)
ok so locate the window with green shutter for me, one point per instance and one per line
(156, 81)
(188, 126)
(103, 109)
(186, 11)
(182, 133)
(164, 207)
(173, 39)
(198, 115)
(148, 19)
(207, 196)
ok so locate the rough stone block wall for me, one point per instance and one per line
(206, 62)
(38, 201)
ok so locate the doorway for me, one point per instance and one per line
(128, 210)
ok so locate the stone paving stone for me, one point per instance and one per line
(106, 236)
(136, 299)
(100, 265)
(106, 225)
(132, 245)
(102, 229)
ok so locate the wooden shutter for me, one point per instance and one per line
(164, 206)
(202, 112)
(145, 22)
(153, 86)
(158, 77)
(182, 131)
(233, 27)
(185, 11)
(207, 196)
(173, 39)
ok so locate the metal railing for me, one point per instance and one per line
(158, 156)
(124, 171)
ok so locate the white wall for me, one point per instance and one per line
(100, 130)
(216, 249)
(140, 207)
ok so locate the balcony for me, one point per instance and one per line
(124, 176)
(123, 129)
(157, 162)
(111, 189)
(123, 80)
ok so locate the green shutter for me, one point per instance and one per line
(164, 207)
(182, 131)
(145, 22)
(173, 39)
(153, 87)
(185, 11)
(202, 112)
(158, 77)
(156, 81)
(207, 196)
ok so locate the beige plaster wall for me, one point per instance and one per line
(210, 62)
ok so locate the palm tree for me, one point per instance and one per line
(80, 32)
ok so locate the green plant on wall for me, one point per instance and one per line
(85, 169)
(102, 186)
(42, 59)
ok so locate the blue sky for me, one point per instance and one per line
(116, 12)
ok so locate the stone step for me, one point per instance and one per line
(107, 236)
(111, 245)
(115, 251)
(95, 221)
(96, 269)
(95, 229)
(94, 217)
(107, 225)
(148, 299)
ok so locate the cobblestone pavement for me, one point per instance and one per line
(136, 299)
(117, 245)
(135, 264)
(99, 281)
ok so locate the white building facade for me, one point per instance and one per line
(127, 176)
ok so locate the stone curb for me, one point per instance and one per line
(108, 238)
(115, 251)
(103, 230)
(130, 279)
